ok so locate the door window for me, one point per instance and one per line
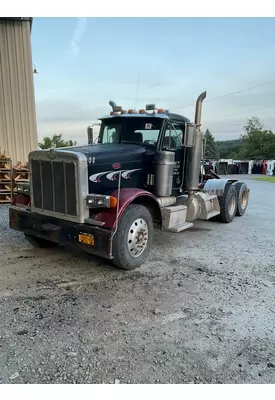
(173, 137)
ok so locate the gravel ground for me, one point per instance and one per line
(201, 310)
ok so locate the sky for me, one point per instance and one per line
(85, 62)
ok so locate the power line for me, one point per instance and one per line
(227, 94)
(239, 124)
(249, 110)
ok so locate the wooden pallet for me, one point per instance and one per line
(5, 198)
(21, 167)
(10, 177)
(5, 187)
(20, 175)
(6, 183)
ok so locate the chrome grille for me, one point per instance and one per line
(54, 186)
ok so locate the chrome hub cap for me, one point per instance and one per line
(137, 237)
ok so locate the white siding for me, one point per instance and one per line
(18, 129)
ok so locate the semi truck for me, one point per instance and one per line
(107, 198)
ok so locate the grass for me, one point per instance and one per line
(265, 179)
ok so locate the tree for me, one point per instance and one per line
(55, 142)
(257, 142)
(211, 149)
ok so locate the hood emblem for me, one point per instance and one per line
(51, 154)
(116, 166)
(91, 160)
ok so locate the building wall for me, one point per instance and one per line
(18, 128)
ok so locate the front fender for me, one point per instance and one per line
(127, 196)
(217, 186)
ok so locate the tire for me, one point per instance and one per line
(39, 242)
(135, 220)
(228, 204)
(242, 197)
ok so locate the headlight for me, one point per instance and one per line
(100, 200)
(23, 188)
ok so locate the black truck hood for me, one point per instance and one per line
(106, 153)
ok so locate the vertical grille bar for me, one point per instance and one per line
(36, 184)
(65, 187)
(71, 189)
(47, 185)
(60, 187)
(53, 188)
(41, 185)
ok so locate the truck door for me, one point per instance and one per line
(172, 140)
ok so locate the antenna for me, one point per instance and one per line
(137, 91)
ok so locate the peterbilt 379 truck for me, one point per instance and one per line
(144, 173)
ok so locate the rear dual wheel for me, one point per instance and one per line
(242, 195)
(233, 202)
(228, 204)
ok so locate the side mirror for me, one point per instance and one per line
(90, 135)
(190, 134)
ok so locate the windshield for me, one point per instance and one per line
(130, 130)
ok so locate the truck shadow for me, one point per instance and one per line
(199, 229)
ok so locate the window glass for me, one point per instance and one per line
(140, 130)
(111, 133)
(173, 137)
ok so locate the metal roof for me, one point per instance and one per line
(27, 19)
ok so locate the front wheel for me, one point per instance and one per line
(133, 239)
(228, 204)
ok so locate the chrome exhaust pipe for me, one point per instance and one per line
(194, 163)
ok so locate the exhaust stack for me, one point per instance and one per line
(194, 164)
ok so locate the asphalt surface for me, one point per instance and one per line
(200, 310)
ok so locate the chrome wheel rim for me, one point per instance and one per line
(232, 204)
(137, 237)
(243, 199)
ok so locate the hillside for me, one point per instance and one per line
(229, 148)
(228, 144)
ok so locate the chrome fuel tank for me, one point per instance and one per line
(164, 165)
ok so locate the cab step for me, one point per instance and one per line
(180, 228)
(174, 218)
